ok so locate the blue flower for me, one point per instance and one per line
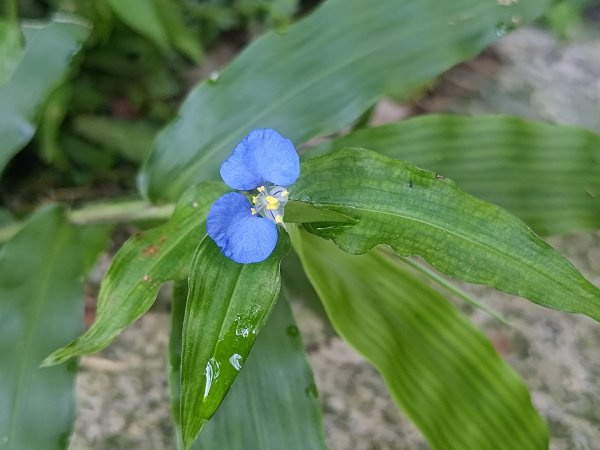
(261, 164)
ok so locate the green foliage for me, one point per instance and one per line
(273, 387)
(133, 73)
(440, 369)
(10, 48)
(566, 16)
(302, 212)
(227, 306)
(140, 267)
(417, 213)
(43, 65)
(41, 307)
(210, 17)
(545, 174)
(180, 292)
(313, 78)
(160, 21)
(144, 17)
(132, 140)
(320, 76)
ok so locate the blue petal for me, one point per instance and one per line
(264, 156)
(240, 235)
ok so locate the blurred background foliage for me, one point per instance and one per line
(566, 16)
(140, 60)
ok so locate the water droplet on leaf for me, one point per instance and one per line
(237, 361)
(213, 78)
(212, 375)
(242, 332)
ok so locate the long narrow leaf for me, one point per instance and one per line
(440, 369)
(322, 74)
(44, 63)
(418, 213)
(227, 306)
(548, 175)
(272, 404)
(180, 291)
(41, 307)
(140, 267)
(144, 17)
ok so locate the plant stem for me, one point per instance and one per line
(455, 290)
(110, 212)
(121, 212)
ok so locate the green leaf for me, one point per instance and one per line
(302, 212)
(439, 368)
(131, 139)
(10, 48)
(6, 217)
(279, 12)
(180, 292)
(180, 36)
(49, 49)
(273, 403)
(160, 21)
(565, 17)
(227, 306)
(143, 17)
(545, 174)
(417, 213)
(55, 110)
(297, 286)
(320, 75)
(140, 267)
(41, 307)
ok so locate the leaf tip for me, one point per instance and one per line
(49, 362)
(54, 359)
(190, 434)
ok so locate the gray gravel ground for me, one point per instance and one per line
(122, 392)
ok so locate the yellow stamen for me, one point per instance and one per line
(272, 202)
(260, 189)
(254, 199)
(284, 193)
(253, 211)
(278, 219)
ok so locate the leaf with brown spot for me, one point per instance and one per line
(133, 279)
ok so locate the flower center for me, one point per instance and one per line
(269, 202)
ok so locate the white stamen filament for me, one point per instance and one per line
(269, 202)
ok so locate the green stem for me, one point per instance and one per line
(121, 212)
(113, 213)
(454, 290)
(11, 11)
